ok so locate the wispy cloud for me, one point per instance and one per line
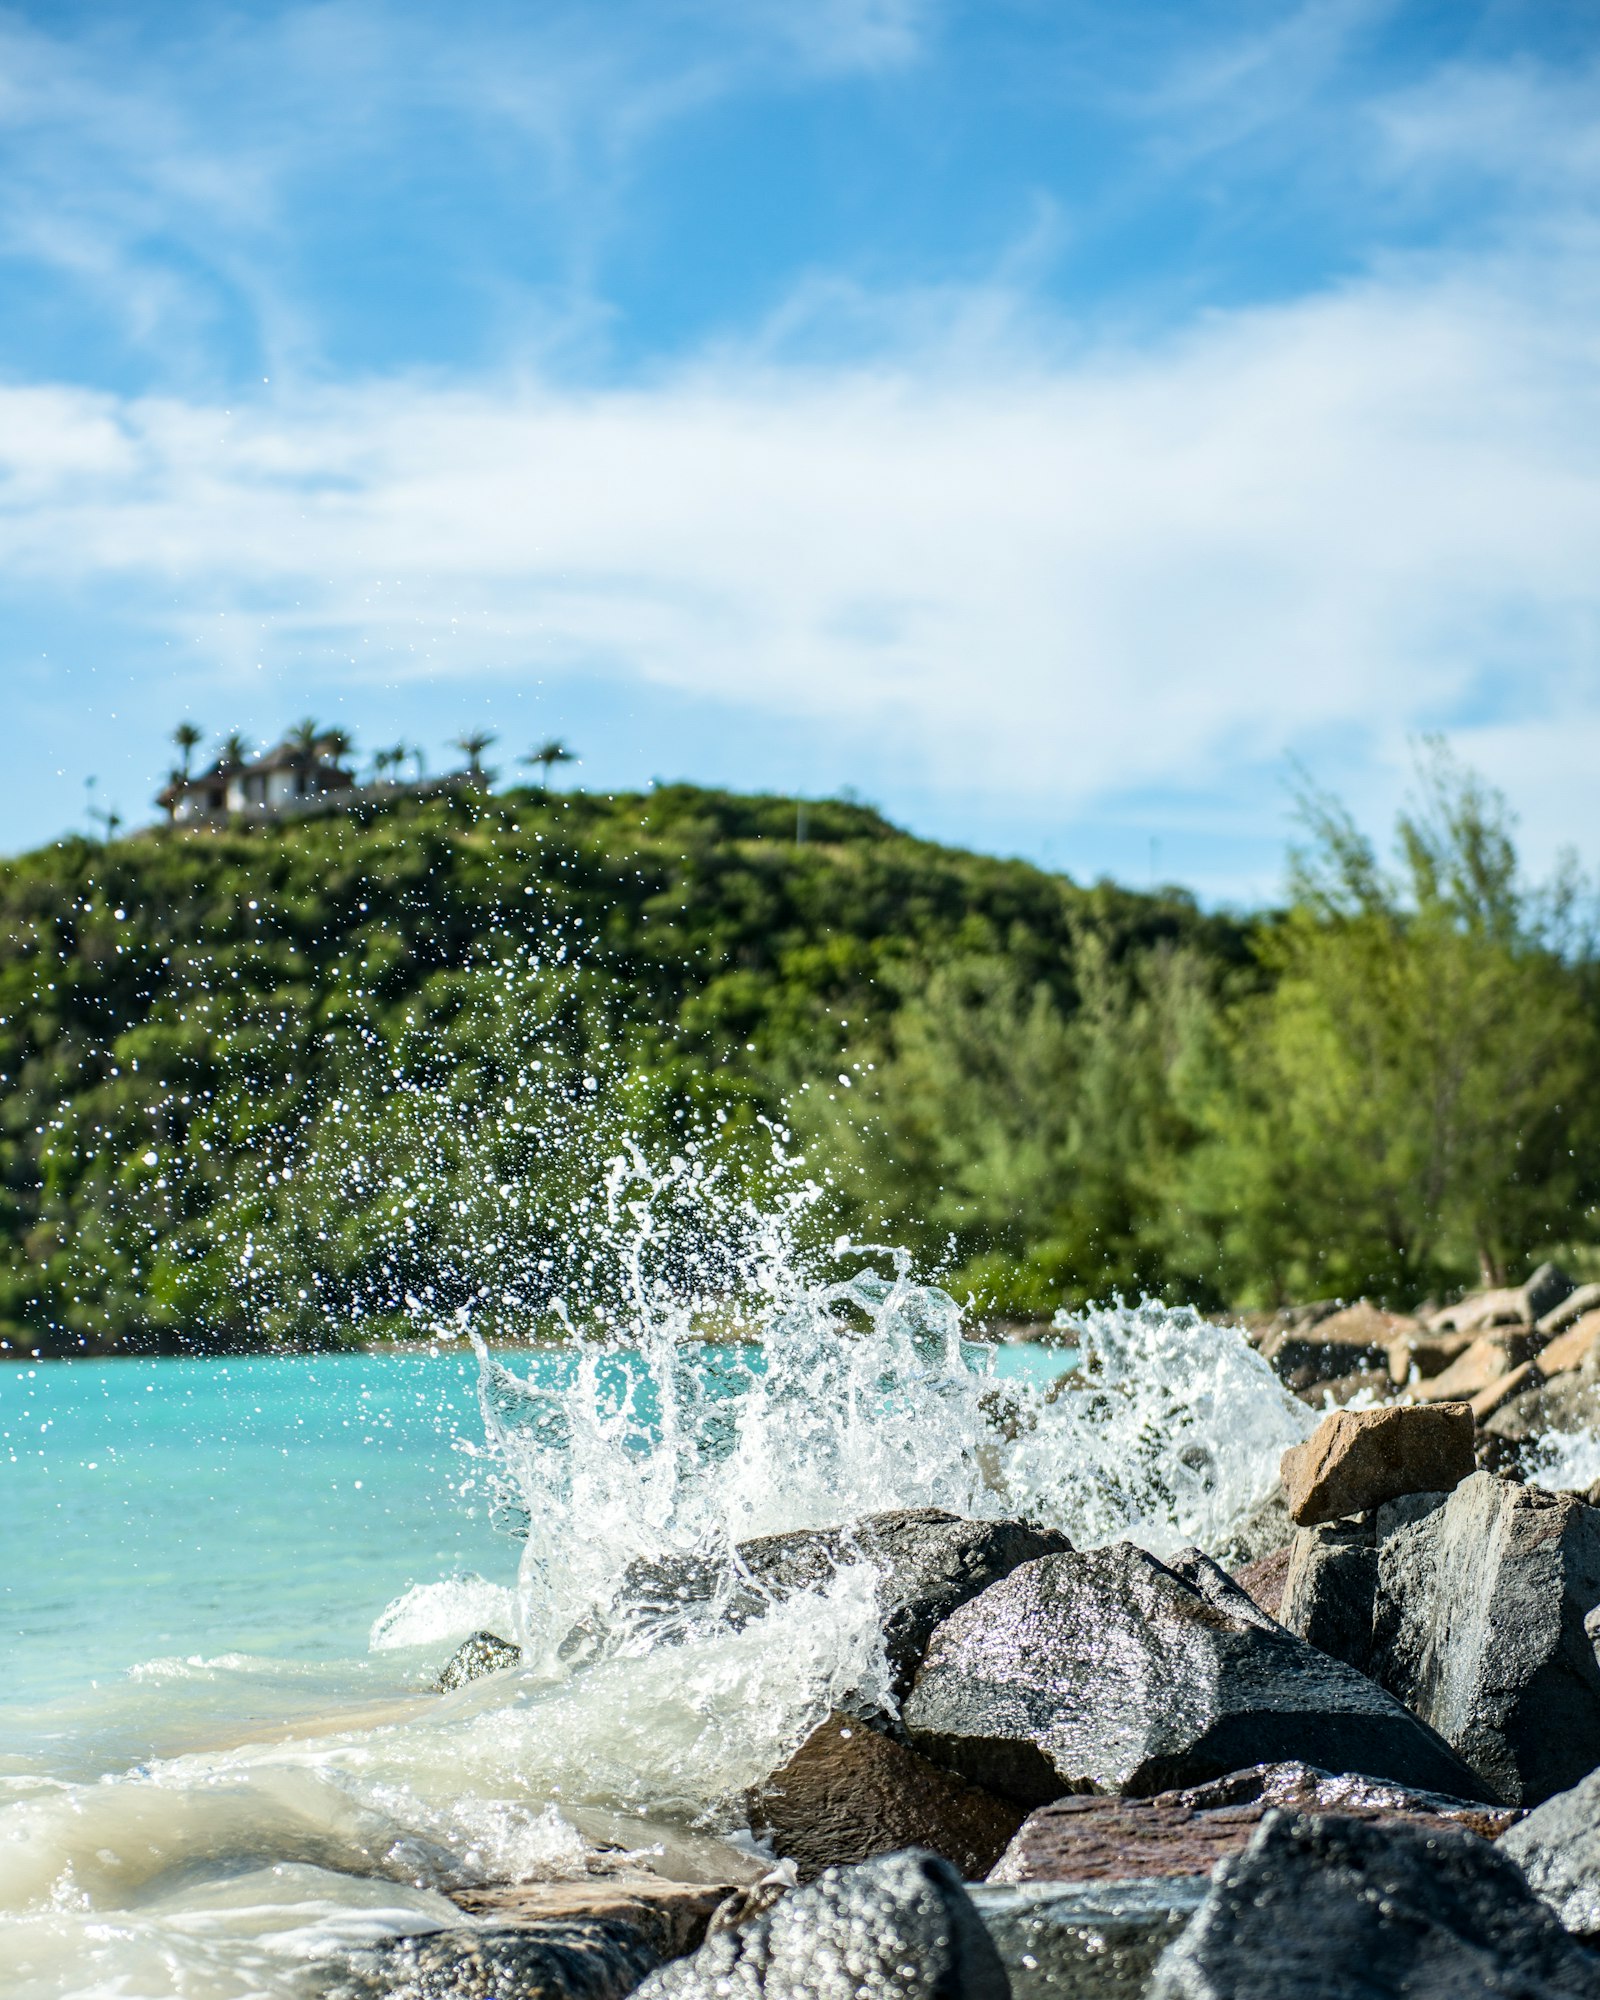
(1340, 521)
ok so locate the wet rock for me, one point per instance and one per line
(1367, 1382)
(1491, 1356)
(849, 1793)
(1305, 1353)
(901, 1927)
(1583, 1299)
(1521, 1379)
(1070, 1941)
(1107, 1671)
(1185, 1833)
(1486, 1626)
(1265, 1528)
(1357, 1459)
(484, 1653)
(584, 1960)
(1330, 1591)
(1558, 1848)
(1332, 1908)
(929, 1562)
(1575, 1347)
(1263, 1580)
(670, 1918)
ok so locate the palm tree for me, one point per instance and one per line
(334, 744)
(418, 757)
(472, 746)
(236, 752)
(385, 761)
(549, 753)
(188, 736)
(305, 734)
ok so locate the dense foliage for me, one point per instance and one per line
(278, 1082)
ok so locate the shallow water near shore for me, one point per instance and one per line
(232, 1583)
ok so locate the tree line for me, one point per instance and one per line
(284, 1082)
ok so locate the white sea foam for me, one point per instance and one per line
(435, 1613)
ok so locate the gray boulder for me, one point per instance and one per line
(1486, 1627)
(1109, 1671)
(1084, 1941)
(583, 1960)
(1324, 1908)
(484, 1653)
(1331, 1588)
(1558, 1848)
(928, 1562)
(901, 1927)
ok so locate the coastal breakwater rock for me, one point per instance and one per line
(480, 1654)
(1109, 1671)
(850, 1793)
(1486, 1621)
(929, 1562)
(1557, 1847)
(1328, 1908)
(1185, 1833)
(1356, 1459)
(1480, 1610)
(901, 1927)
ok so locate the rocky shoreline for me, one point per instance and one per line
(1362, 1758)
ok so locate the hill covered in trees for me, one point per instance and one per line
(357, 1071)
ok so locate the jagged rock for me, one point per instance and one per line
(1423, 1355)
(1570, 1403)
(1306, 1352)
(929, 1562)
(1333, 1395)
(1263, 1580)
(1575, 1347)
(1584, 1299)
(1331, 1908)
(1522, 1305)
(1266, 1527)
(1187, 1832)
(1109, 1671)
(1486, 1626)
(1330, 1591)
(849, 1793)
(589, 1959)
(1075, 1941)
(1558, 1848)
(1356, 1459)
(484, 1653)
(901, 1927)
(669, 1917)
(1521, 1379)
(1490, 1356)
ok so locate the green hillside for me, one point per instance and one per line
(272, 1082)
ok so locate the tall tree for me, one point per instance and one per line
(472, 746)
(548, 754)
(188, 736)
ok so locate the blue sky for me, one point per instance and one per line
(1049, 420)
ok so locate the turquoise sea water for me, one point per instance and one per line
(273, 1507)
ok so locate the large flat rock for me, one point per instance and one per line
(1109, 1671)
(1185, 1833)
(1320, 1907)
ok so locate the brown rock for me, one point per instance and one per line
(1573, 1348)
(1306, 1350)
(1187, 1832)
(1489, 1357)
(1487, 1401)
(1357, 1459)
(1586, 1299)
(1263, 1580)
(849, 1793)
(1429, 1354)
(671, 1917)
(1342, 1389)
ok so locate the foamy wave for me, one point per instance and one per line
(435, 1613)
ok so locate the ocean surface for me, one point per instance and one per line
(229, 1585)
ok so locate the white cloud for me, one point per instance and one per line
(1063, 581)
